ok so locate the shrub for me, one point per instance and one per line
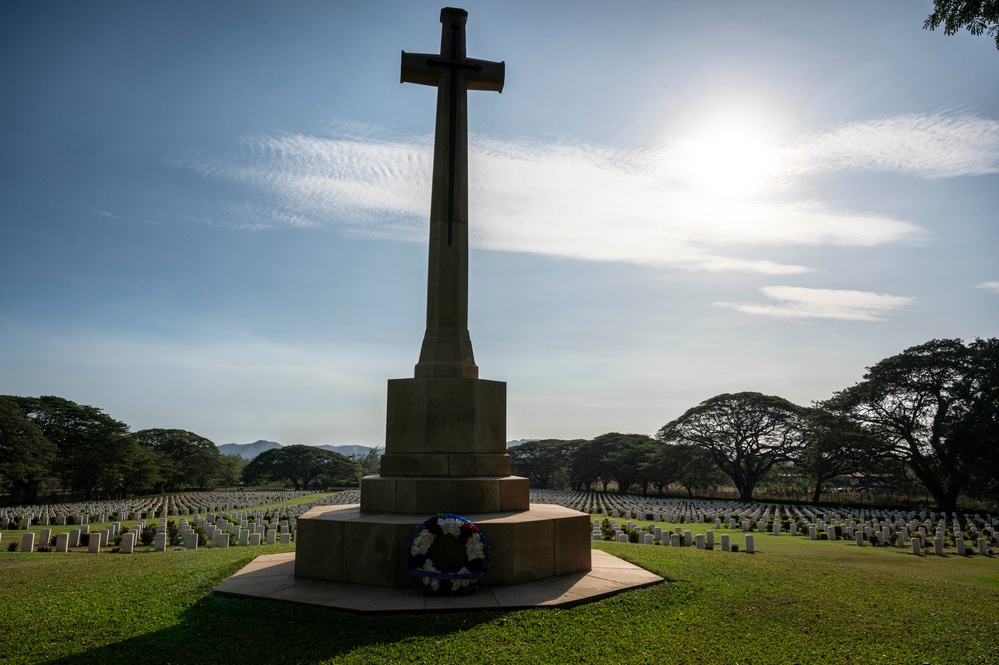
(735, 548)
(148, 535)
(823, 535)
(633, 535)
(12, 547)
(606, 531)
(70, 520)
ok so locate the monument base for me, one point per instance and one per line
(343, 544)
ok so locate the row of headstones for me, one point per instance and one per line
(221, 530)
(143, 508)
(72, 538)
(678, 538)
(749, 515)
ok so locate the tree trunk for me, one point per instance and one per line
(817, 494)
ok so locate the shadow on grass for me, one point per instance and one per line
(242, 630)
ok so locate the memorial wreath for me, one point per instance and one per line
(448, 582)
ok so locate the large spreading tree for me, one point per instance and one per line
(96, 452)
(935, 406)
(185, 459)
(26, 456)
(745, 434)
(301, 466)
(836, 446)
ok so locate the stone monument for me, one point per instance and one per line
(445, 439)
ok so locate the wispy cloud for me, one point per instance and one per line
(939, 145)
(804, 303)
(602, 204)
(988, 286)
(105, 213)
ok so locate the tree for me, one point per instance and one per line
(626, 459)
(542, 461)
(26, 456)
(976, 16)
(95, 450)
(834, 446)
(186, 459)
(665, 465)
(745, 434)
(301, 465)
(934, 405)
(697, 469)
(231, 469)
(589, 464)
(370, 461)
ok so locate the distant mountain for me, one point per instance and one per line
(248, 450)
(349, 451)
(251, 450)
(517, 442)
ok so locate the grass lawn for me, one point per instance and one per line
(794, 601)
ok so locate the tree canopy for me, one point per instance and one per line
(26, 455)
(95, 451)
(935, 407)
(976, 16)
(184, 459)
(302, 466)
(745, 434)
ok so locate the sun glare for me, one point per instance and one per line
(728, 161)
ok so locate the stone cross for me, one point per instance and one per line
(447, 347)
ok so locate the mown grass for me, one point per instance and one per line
(795, 601)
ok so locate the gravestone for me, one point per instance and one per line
(750, 542)
(445, 439)
(127, 542)
(28, 542)
(62, 542)
(94, 544)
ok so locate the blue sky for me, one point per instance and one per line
(213, 216)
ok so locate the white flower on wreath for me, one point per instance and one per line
(458, 584)
(432, 582)
(450, 527)
(474, 548)
(422, 543)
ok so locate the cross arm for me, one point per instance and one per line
(427, 68)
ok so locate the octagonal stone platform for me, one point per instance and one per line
(271, 577)
(346, 544)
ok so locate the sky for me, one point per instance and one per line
(214, 216)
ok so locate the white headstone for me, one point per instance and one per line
(28, 542)
(62, 542)
(127, 542)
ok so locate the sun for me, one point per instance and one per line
(729, 160)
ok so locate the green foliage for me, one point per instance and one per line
(975, 16)
(543, 462)
(95, 451)
(936, 408)
(26, 455)
(745, 434)
(182, 459)
(148, 534)
(303, 466)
